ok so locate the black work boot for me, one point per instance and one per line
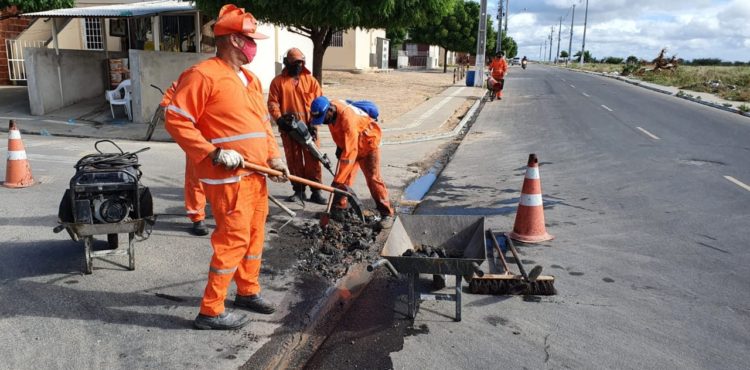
(255, 303)
(199, 228)
(317, 198)
(224, 321)
(297, 197)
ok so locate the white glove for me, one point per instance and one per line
(231, 159)
(279, 165)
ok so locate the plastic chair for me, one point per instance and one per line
(120, 96)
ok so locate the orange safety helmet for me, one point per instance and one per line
(235, 20)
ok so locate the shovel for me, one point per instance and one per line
(325, 218)
(353, 200)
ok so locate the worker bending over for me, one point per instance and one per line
(289, 97)
(358, 137)
(219, 118)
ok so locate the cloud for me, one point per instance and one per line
(689, 28)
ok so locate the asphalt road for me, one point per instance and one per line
(649, 199)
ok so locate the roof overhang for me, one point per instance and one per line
(142, 9)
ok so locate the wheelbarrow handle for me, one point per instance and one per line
(300, 180)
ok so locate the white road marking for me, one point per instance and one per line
(573, 86)
(586, 95)
(648, 133)
(738, 182)
(607, 108)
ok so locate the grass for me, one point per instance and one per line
(735, 81)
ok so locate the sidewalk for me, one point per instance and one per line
(309, 307)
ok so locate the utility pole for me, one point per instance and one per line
(499, 43)
(585, 20)
(481, 45)
(570, 43)
(545, 52)
(540, 53)
(551, 32)
(559, 29)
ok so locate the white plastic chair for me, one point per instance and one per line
(120, 96)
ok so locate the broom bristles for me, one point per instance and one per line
(512, 285)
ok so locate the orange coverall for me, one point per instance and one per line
(292, 95)
(212, 109)
(195, 197)
(498, 67)
(358, 136)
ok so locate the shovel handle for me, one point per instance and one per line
(300, 180)
(518, 260)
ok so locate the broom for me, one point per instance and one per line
(510, 284)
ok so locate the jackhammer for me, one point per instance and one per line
(297, 130)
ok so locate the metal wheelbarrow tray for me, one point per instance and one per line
(460, 236)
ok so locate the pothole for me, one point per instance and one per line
(700, 162)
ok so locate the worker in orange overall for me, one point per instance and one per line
(195, 197)
(219, 118)
(290, 96)
(358, 137)
(498, 67)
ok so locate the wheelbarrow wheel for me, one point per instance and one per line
(113, 241)
(88, 242)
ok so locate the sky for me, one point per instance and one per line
(687, 28)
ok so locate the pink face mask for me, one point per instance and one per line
(249, 49)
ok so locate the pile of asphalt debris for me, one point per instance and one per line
(428, 251)
(346, 241)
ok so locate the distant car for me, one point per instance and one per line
(515, 61)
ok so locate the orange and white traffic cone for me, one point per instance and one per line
(529, 225)
(18, 169)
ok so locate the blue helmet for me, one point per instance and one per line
(318, 110)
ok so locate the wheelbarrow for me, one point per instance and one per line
(462, 238)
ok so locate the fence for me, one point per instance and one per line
(16, 68)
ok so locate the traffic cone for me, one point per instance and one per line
(529, 224)
(17, 170)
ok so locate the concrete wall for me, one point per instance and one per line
(157, 68)
(359, 46)
(342, 57)
(82, 74)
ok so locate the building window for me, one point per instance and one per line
(178, 33)
(337, 39)
(92, 34)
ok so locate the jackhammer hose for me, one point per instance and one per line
(371, 267)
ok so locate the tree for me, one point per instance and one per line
(563, 54)
(456, 31)
(18, 6)
(320, 19)
(587, 58)
(509, 46)
(632, 60)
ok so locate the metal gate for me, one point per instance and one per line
(16, 68)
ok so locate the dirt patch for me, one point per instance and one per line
(395, 93)
(448, 126)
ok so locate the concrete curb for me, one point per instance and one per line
(656, 89)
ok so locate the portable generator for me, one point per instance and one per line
(106, 197)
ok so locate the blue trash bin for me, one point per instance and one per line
(470, 78)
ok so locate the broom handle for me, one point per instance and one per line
(515, 256)
(499, 251)
(312, 184)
